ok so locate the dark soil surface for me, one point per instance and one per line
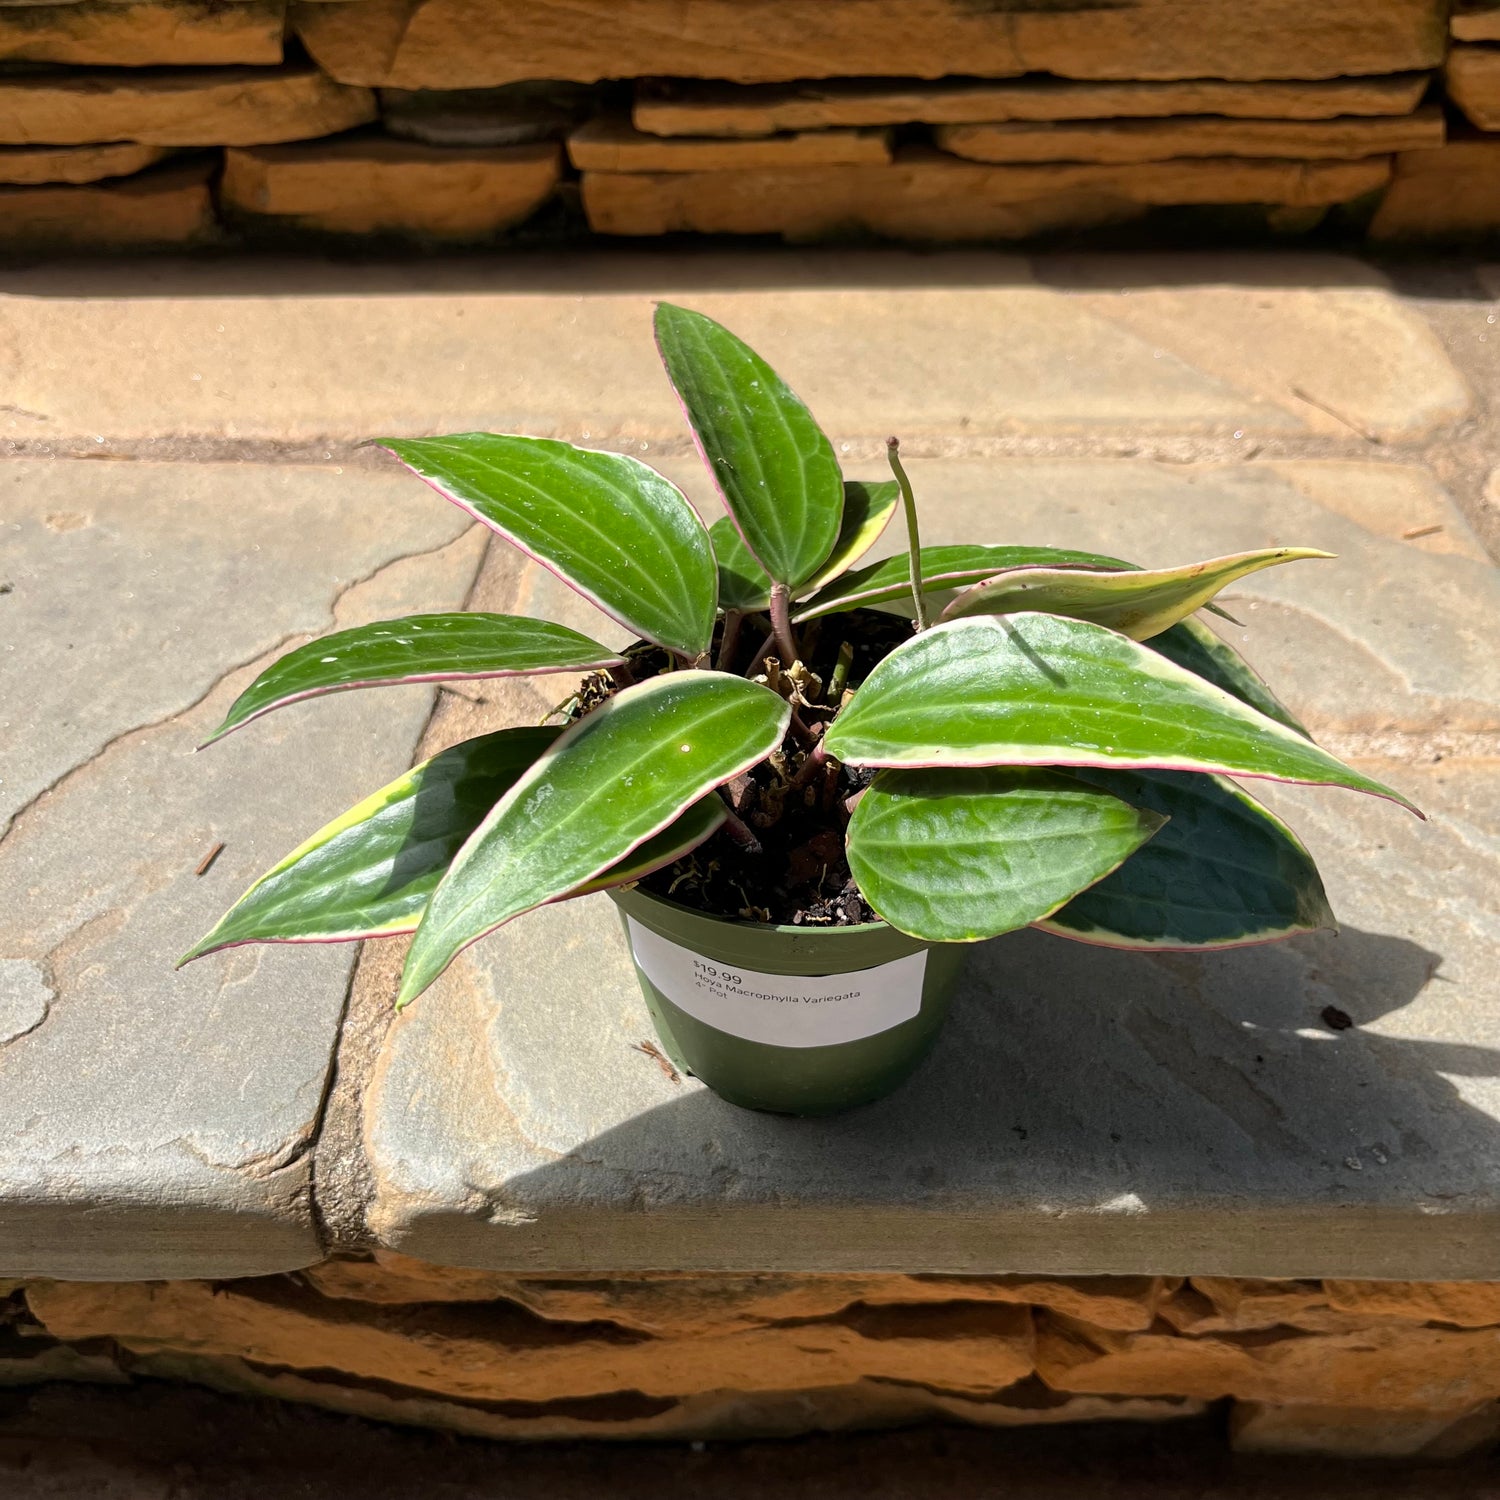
(796, 805)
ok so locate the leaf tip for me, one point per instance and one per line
(413, 983)
(198, 950)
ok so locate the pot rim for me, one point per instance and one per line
(786, 928)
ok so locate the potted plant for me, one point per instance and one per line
(807, 785)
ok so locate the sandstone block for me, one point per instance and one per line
(1451, 194)
(1472, 77)
(481, 43)
(679, 107)
(607, 145)
(1220, 1304)
(690, 1303)
(1197, 135)
(1383, 1367)
(628, 1414)
(932, 197)
(1464, 1304)
(208, 107)
(26, 166)
(1475, 21)
(153, 33)
(47, 1362)
(497, 1352)
(381, 186)
(1362, 1432)
(169, 207)
(1213, 1304)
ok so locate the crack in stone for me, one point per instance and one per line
(262, 1166)
(274, 649)
(341, 1185)
(136, 729)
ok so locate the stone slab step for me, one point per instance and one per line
(1349, 137)
(150, 33)
(929, 196)
(1115, 351)
(1085, 1112)
(377, 186)
(158, 1123)
(186, 107)
(445, 44)
(679, 107)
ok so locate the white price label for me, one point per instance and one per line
(784, 1010)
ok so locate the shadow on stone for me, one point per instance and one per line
(1085, 1110)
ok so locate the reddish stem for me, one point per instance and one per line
(781, 624)
(740, 832)
(817, 758)
(761, 651)
(733, 619)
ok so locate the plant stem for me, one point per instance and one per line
(733, 619)
(781, 624)
(804, 735)
(758, 659)
(623, 676)
(913, 540)
(840, 678)
(740, 832)
(817, 758)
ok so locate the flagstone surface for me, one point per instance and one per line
(181, 498)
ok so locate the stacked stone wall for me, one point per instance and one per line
(184, 122)
(1351, 1368)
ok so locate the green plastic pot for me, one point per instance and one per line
(792, 1020)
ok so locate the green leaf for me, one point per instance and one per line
(700, 821)
(868, 508)
(773, 465)
(419, 648)
(1034, 689)
(954, 856)
(370, 872)
(744, 585)
(1139, 604)
(1224, 872)
(611, 782)
(607, 525)
(1193, 645)
(943, 569)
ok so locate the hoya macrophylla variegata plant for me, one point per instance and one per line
(1055, 740)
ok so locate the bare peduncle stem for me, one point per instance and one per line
(913, 540)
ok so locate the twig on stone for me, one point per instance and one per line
(659, 1057)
